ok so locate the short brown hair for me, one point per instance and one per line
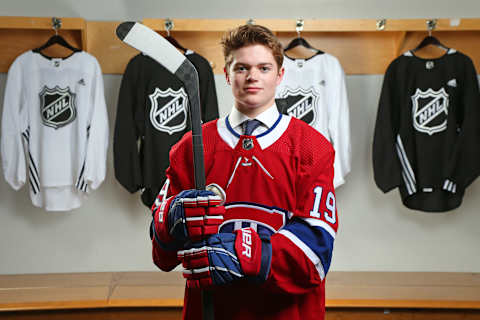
(250, 34)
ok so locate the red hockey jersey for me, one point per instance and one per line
(280, 183)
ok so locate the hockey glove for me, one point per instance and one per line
(226, 257)
(190, 216)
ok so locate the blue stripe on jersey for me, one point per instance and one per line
(273, 127)
(316, 238)
(229, 127)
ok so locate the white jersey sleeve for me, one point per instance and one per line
(97, 136)
(12, 150)
(339, 123)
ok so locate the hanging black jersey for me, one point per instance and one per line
(427, 132)
(55, 118)
(152, 115)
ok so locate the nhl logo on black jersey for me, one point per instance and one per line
(430, 110)
(169, 110)
(57, 106)
(300, 103)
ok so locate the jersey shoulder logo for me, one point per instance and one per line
(168, 112)
(301, 103)
(57, 106)
(430, 110)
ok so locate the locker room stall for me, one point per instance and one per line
(109, 232)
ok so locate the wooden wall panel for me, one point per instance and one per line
(112, 54)
(360, 48)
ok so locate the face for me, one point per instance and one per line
(254, 76)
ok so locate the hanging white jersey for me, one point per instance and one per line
(314, 91)
(55, 128)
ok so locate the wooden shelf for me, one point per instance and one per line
(146, 295)
(360, 47)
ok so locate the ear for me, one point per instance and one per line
(280, 75)
(227, 77)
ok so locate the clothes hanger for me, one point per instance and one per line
(299, 41)
(169, 26)
(56, 39)
(429, 39)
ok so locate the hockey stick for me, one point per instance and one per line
(155, 46)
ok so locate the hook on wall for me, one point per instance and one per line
(381, 23)
(56, 24)
(431, 25)
(169, 25)
(299, 26)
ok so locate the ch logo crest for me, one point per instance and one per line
(57, 106)
(169, 110)
(430, 110)
(301, 103)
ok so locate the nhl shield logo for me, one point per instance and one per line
(301, 103)
(169, 110)
(247, 144)
(430, 110)
(57, 106)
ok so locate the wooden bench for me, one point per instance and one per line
(143, 295)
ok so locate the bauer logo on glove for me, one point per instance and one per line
(227, 257)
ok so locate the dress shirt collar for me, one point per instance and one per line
(267, 117)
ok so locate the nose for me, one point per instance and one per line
(252, 75)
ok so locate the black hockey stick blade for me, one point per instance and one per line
(155, 46)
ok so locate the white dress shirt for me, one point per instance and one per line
(267, 119)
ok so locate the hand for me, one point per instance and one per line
(226, 257)
(193, 215)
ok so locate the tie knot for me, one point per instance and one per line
(250, 126)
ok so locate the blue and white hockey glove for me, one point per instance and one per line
(190, 216)
(227, 257)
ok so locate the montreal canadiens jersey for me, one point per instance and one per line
(427, 132)
(280, 183)
(152, 115)
(314, 91)
(55, 128)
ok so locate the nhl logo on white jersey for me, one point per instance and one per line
(169, 110)
(57, 106)
(301, 103)
(430, 110)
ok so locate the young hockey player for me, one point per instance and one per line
(264, 252)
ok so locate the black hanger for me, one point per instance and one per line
(430, 40)
(299, 41)
(173, 41)
(56, 39)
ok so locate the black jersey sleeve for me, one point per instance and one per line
(386, 167)
(464, 165)
(209, 95)
(126, 157)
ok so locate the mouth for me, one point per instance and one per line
(253, 89)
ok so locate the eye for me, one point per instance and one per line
(265, 68)
(240, 69)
